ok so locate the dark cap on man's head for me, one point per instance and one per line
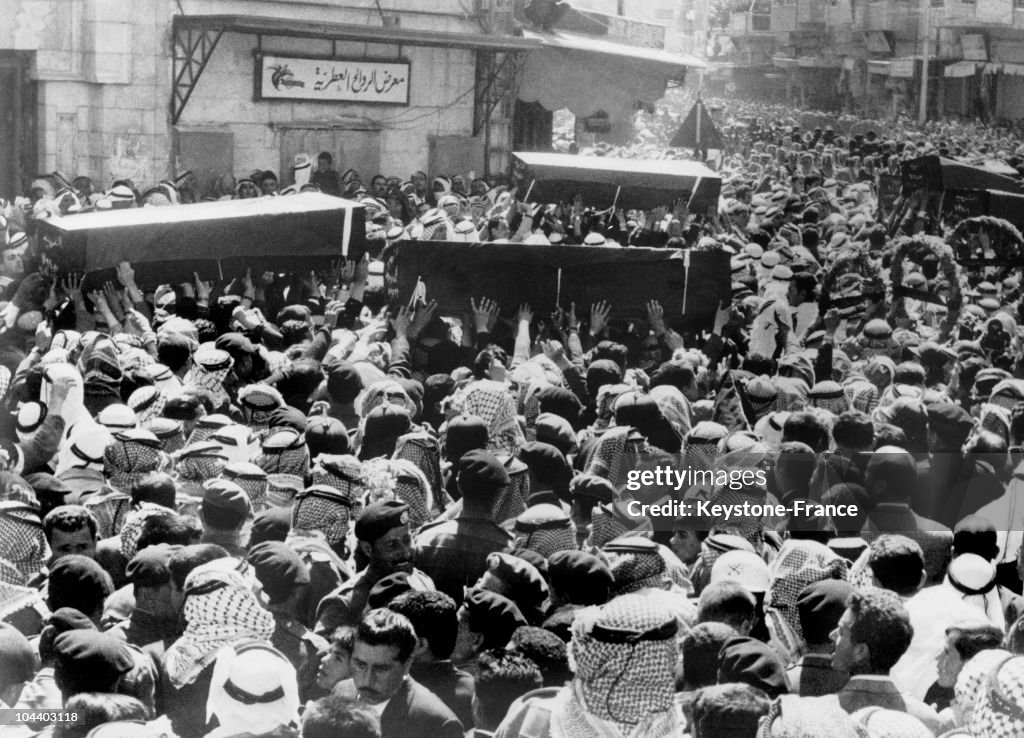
(150, 566)
(494, 616)
(279, 568)
(580, 577)
(380, 517)
(480, 473)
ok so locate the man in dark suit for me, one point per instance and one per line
(381, 657)
(872, 635)
(890, 480)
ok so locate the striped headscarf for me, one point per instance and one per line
(623, 654)
(252, 480)
(545, 529)
(220, 610)
(389, 479)
(324, 509)
(208, 373)
(22, 542)
(197, 463)
(258, 402)
(492, 402)
(132, 454)
(170, 433)
(147, 403)
(133, 524)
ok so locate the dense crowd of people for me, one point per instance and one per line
(274, 506)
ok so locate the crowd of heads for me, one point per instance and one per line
(276, 505)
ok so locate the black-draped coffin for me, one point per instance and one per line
(627, 183)
(215, 239)
(516, 273)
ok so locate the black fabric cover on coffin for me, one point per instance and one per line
(938, 173)
(166, 244)
(516, 273)
(645, 184)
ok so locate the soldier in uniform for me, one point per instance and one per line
(384, 538)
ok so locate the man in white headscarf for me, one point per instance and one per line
(623, 655)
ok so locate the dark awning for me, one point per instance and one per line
(285, 27)
(637, 183)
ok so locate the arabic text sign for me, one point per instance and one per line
(332, 80)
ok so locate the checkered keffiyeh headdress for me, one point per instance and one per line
(237, 442)
(623, 655)
(606, 397)
(197, 463)
(132, 454)
(422, 451)
(386, 391)
(325, 509)
(147, 403)
(208, 373)
(618, 452)
(494, 404)
(545, 534)
(220, 610)
(606, 526)
(511, 501)
(389, 479)
(799, 564)
(133, 524)
(972, 680)
(207, 426)
(22, 542)
(252, 480)
(999, 711)
(829, 396)
(634, 571)
(700, 448)
(861, 394)
(284, 452)
(170, 433)
(259, 401)
(344, 473)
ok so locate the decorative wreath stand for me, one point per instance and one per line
(853, 273)
(984, 241)
(933, 255)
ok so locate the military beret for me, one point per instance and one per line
(272, 524)
(380, 517)
(820, 606)
(532, 557)
(555, 430)
(279, 568)
(524, 585)
(592, 486)
(480, 472)
(87, 660)
(226, 495)
(949, 420)
(149, 567)
(494, 616)
(547, 465)
(326, 435)
(580, 577)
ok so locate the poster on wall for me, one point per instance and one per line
(332, 80)
(993, 11)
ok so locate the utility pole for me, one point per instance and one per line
(922, 111)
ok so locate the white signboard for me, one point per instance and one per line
(332, 80)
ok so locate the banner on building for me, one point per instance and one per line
(332, 80)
